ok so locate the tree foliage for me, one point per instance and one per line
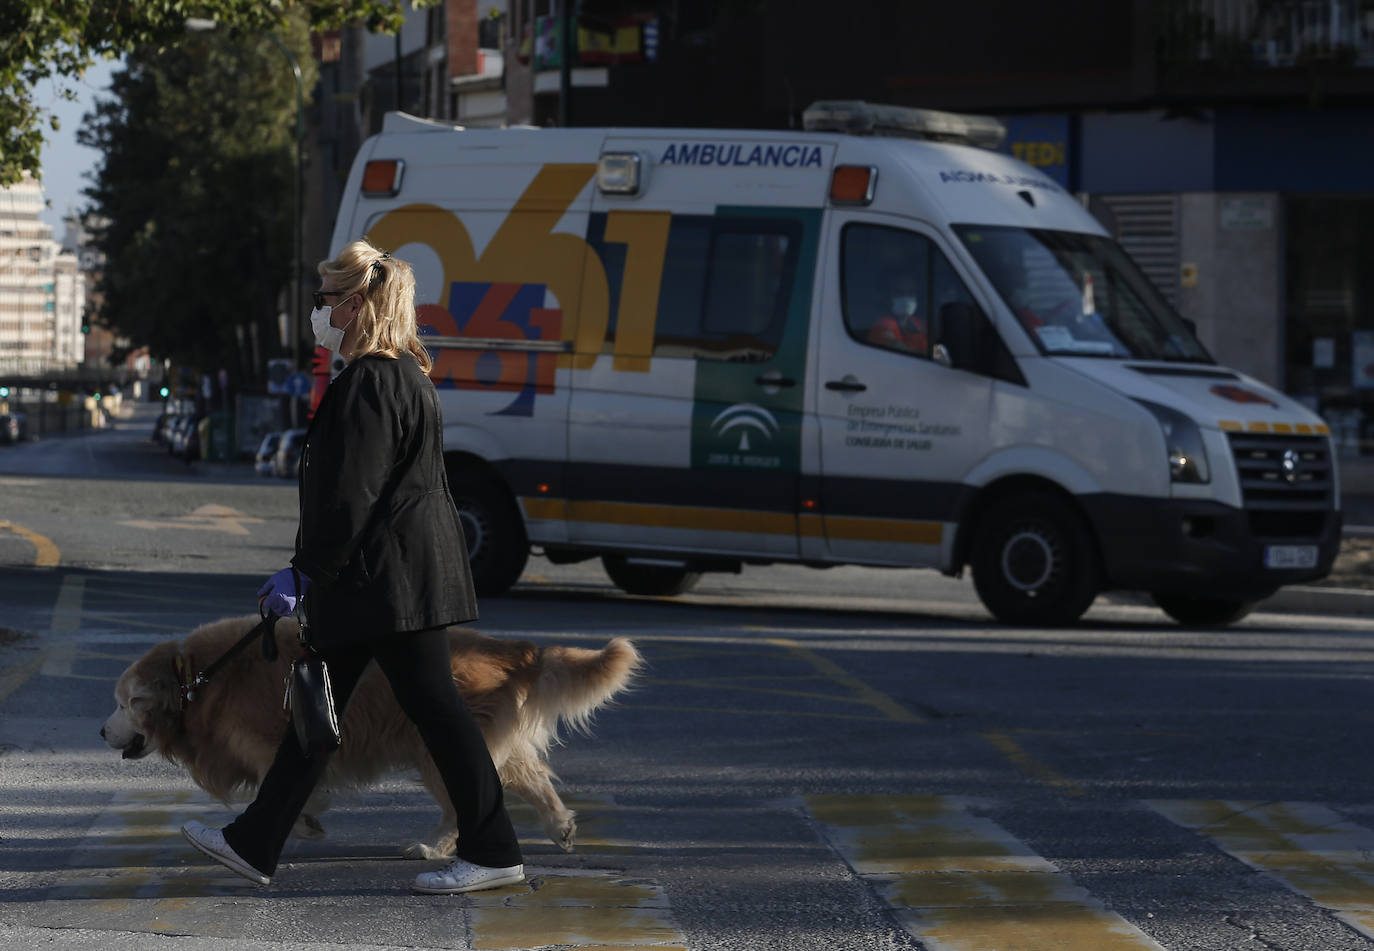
(191, 204)
(53, 40)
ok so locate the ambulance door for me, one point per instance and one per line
(685, 431)
(900, 424)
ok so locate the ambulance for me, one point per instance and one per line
(873, 341)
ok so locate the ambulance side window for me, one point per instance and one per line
(683, 285)
(886, 287)
(724, 290)
(746, 303)
(900, 292)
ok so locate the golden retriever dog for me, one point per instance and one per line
(227, 735)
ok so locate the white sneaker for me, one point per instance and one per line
(211, 842)
(463, 876)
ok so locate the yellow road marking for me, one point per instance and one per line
(959, 882)
(12, 680)
(1030, 765)
(590, 910)
(66, 620)
(133, 872)
(863, 692)
(206, 518)
(1307, 847)
(593, 911)
(45, 554)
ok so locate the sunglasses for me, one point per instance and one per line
(319, 296)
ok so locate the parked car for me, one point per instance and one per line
(288, 456)
(262, 460)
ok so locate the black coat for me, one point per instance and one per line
(379, 534)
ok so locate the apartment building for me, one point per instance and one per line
(42, 289)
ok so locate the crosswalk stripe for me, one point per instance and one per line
(134, 872)
(66, 620)
(960, 882)
(1307, 847)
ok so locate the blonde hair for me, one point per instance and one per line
(387, 321)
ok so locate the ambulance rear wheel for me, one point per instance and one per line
(495, 535)
(1203, 612)
(1034, 561)
(657, 580)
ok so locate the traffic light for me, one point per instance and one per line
(4, 392)
(85, 328)
(164, 392)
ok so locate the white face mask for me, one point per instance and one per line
(903, 306)
(326, 334)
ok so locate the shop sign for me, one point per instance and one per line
(1041, 142)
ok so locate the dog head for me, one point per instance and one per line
(147, 704)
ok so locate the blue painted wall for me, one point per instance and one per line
(1295, 150)
(1140, 152)
(1285, 150)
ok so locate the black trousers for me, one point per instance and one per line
(417, 665)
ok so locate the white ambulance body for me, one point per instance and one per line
(685, 350)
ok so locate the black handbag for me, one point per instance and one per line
(310, 699)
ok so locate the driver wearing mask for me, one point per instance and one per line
(903, 327)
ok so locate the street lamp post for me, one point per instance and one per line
(199, 24)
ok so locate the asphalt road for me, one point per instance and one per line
(847, 759)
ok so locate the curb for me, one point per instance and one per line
(1300, 599)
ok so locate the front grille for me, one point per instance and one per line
(1283, 473)
(1286, 524)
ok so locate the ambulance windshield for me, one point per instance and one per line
(1080, 294)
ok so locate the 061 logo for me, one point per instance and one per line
(495, 311)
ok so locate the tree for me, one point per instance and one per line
(53, 40)
(192, 198)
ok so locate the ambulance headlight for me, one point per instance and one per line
(617, 173)
(1183, 442)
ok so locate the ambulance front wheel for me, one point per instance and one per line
(1034, 561)
(495, 536)
(657, 580)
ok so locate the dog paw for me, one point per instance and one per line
(423, 850)
(565, 836)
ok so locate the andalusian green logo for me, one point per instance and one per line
(747, 412)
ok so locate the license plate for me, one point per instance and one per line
(1290, 556)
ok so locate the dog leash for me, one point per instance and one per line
(263, 629)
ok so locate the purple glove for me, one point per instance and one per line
(283, 591)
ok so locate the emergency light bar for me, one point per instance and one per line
(866, 118)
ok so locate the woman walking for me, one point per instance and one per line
(381, 552)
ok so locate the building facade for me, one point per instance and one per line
(42, 290)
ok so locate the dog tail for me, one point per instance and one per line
(575, 682)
